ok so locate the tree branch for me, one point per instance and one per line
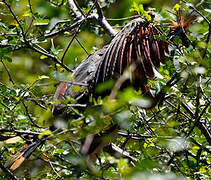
(76, 10)
(29, 45)
(8, 172)
(16, 19)
(77, 31)
(8, 72)
(100, 18)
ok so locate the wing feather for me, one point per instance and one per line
(121, 58)
(114, 55)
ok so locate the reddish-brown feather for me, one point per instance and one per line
(148, 61)
(129, 54)
(114, 54)
(121, 55)
(162, 52)
(60, 92)
(152, 45)
(115, 67)
(123, 62)
(104, 65)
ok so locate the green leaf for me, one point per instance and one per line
(56, 50)
(123, 166)
(140, 10)
(104, 86)
(3, 25)
(28, 14)
(77, 88)
(43, 57)
(59, 151)
(41, 22)
(43, 77)
(8, 58)
(44, 133)
(40, 39)
(176, 8)
(4, 88)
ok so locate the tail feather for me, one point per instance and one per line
(17, 163)
(23, 154)
(10, 139)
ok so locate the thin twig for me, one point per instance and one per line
(53, 168)
(9, 34)
(197, 122)
(8, 72)
(68, 28)
(82, 46)
(34, 101)
(70, 143)
(208, 22)
(31, 23)
(68, 46)
(54, 58)
(57, 23)
(123, 19)
(16, 19)
(76, 83)
(198, 92)
(4, 105)
(79, 9)
(30, 118)
(76, 32)
(77, 105)
(146, 125)
(8, 172)
(200, 145)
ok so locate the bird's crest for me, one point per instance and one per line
(182, 24)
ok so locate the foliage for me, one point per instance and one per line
(39, 47)
(140, 10)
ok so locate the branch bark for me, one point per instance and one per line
(76, 10)
(8, 172)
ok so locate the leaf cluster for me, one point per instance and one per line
(171, 141)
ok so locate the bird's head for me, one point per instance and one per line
(181, 25)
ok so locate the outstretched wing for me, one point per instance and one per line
(137, 44)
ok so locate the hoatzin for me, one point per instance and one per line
(137, 45)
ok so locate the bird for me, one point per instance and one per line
(136, 44)
(136, 47)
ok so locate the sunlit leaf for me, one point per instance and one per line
(77, 88)
(43, 77)
(43, 57)
(41, 22)
(44, 133)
